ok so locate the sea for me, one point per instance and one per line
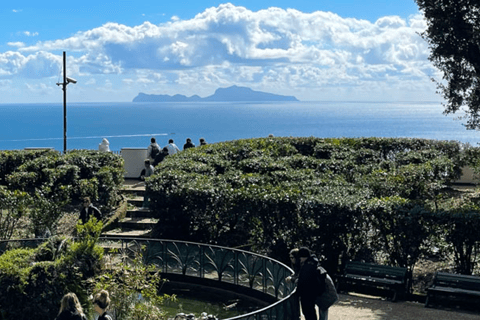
(131, 125)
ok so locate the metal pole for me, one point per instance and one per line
(64, 102)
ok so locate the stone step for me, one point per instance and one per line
(136, 200)
(127, 233)
(139, 213)
(137, 223)
(132, 192)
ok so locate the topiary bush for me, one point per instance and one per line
(272, 194)
(54, 180)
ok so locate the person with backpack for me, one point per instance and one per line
(314, 286)
(153, 149)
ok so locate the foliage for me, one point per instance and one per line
(133, 289)
(53, 180)
(13, 206)
(453, 35)
(10, 160)
(34, 280)
(85, 254)
(277, 193)
(459, 221)
(400, 229)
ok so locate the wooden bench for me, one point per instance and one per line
(395, 279)
(453, 286)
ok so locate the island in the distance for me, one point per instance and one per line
(233, 93)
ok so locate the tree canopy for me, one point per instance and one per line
(453, 35)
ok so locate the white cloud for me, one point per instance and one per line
(39, 65)
(17, 44)
(30, 34)
(232, 45)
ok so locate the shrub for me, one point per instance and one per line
(133, 289)
(34, 280)
(54, 180)
(276, 193)
(13, 206)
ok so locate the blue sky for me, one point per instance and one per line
(315, 50)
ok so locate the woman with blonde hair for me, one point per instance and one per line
(70, 308)
(101, 301)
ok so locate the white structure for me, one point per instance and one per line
(134, 159)
(104, 145)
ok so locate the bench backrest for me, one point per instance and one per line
(458, 281)
(376, 270)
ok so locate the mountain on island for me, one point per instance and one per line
(233, 93)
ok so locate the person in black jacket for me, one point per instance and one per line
(70, 308)
(89, 211)
(295, 261)
(188, 144)
(308, 283)
(160, 156)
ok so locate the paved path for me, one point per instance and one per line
(360, 307)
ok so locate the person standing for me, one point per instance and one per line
(188, 144)
(153, 149)
(295, 262)
(70, 308)
(101, 301)
(88, 211)
(172, 147)
(308, 287)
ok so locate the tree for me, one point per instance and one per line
(453, 35)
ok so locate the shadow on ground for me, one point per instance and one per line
(362, 307)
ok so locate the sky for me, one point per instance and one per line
(315, 50)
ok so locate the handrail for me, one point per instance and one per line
(226, 265)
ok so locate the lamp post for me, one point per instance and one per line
(66, 81)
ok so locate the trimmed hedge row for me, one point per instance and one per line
(364, 198)
(79, 173)
(53, 180)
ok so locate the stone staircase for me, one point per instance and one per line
(138, 221)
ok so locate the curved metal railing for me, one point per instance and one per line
(225, 265)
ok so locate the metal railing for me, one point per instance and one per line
(224, 265)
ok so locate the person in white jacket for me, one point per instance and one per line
(172, 147)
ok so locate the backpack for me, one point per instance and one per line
(329, 295)
(155, 151)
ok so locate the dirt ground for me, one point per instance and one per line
(363, 307)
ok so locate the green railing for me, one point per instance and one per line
(231, 267)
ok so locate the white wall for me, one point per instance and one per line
(134, 161)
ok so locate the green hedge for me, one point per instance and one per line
(33, 281)
(345, 198)
(53, 180)
(51, 171)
